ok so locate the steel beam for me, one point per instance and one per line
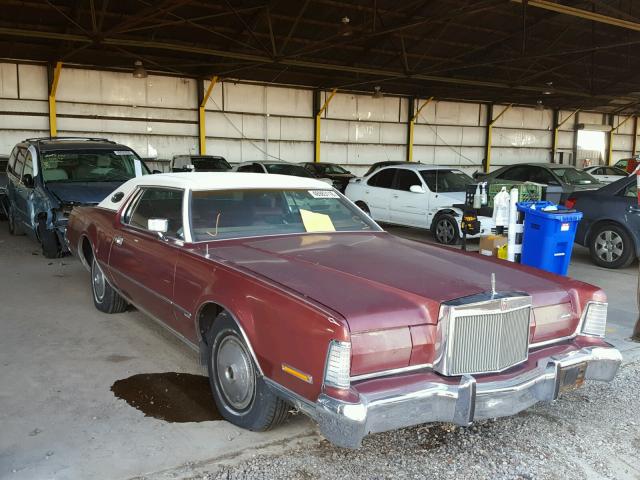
(202, 130)
(612, 133)
(316, 157)
(412, 121)
(53, 126)
(556, 128)
(487, 161)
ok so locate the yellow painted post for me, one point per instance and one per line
(634, 147)
(611, 136)
(53, 126)
(490, 137)
(412, 122)
(202, 133)
(316, 158)
(555, 135)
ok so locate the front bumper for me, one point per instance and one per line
(413, 403)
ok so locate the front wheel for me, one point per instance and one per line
(611, 247)
(48, 241)
(241, 394)
(105, 298)
(445, 230)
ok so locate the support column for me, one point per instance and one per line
(318, 115)
(556, 128)
(634, 148)
(202, 124)
(612, 133)
(53, 126)
(490, 124)
(412, 120)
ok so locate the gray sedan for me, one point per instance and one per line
(561, 180)
(610, 227)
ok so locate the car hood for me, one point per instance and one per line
(377, 281)
(82, 192)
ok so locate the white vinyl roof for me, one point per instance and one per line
(199, 181)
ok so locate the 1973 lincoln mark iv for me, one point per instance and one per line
(293, 296)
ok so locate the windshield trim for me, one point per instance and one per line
(290, 234)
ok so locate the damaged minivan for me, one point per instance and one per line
(48, 177)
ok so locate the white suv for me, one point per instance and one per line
(416, 195)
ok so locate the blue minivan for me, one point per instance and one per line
(48, 177)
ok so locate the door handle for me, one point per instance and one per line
(118, 240)
(395, 196)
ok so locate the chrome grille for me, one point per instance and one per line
(484, 336)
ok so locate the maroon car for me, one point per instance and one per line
(293, 296)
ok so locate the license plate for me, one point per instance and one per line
(572, 377)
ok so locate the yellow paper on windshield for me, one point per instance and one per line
(316, 222)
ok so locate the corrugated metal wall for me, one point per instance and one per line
(157, 116)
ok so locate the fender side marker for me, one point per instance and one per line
(297, 373)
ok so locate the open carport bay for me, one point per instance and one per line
(60, 357)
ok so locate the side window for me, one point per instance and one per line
(383, 179)
(517, 174)
(158, 203)
(253, 168)
(542, 175)
(405, 179)
(19, 165)
(631, 190)
(609, 171)
(28, 165)
(12, 160)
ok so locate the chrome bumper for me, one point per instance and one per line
(346, 424)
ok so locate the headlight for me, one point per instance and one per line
(595, 319)
(338, 369)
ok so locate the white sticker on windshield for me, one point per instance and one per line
(323, 194)
(122, 152)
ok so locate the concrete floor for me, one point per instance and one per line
(59, 357)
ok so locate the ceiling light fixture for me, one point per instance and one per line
(539, 105)
(377, 93)
(138, 70)
(345, 28)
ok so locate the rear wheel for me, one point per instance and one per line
(105, 298)
(611, 246)
(241, 394)
(48, 241)
(445, 230)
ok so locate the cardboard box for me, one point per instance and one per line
(491, 244)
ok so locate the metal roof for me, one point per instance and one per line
(565, 53)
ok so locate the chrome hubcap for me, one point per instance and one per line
(235, 372)
(98, 282)
(445, 231)
(609, 246)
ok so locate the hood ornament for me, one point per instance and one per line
(493, 285)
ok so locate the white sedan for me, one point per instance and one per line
(416, 195)
(606, 174)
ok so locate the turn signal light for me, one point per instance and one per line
(338, 369)
(595, 319)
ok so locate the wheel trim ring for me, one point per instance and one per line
(99, 282)
(609, 246)
(235, 374)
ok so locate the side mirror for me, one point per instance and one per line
(158, 225)
(27, 180)
(416, 189)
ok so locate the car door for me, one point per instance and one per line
(609, 174)
(544, 176)
(21, 193)
(629, 200)
(142, 262)
(406, 207)
(378, 192)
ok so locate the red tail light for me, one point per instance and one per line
(570, 202)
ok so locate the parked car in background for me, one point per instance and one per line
(199, 163)
(275, 167)
(334, 172)
(416, 195)
(49, 177)
(610, 226)
(295, 298)
(386, 163)
(606, 174)
(629, 165)
(561, 180)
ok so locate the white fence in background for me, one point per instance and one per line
(157, 116)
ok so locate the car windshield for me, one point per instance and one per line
(218, 215)
(446, 180)
(210, 164)
(331, 169)
(573, 176)
(91, 166)
(287, 169)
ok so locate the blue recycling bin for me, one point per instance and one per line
(547, 238)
